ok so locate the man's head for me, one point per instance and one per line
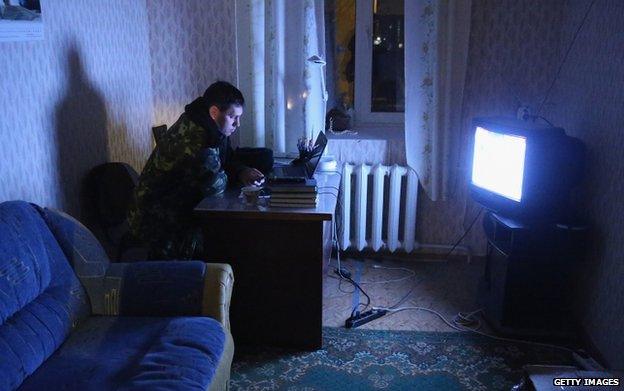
(225, 105)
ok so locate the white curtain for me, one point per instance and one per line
(436, 50)
(283, 91)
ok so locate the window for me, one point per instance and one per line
(368, 59)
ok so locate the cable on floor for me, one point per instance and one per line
(464, 322)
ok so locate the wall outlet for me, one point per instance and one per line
(523, 113)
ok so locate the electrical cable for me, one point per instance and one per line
(405, 296)
(464, 235)
(565, 57)
(412, 274)
(547, 121)
(408, 294)
(349, 279)
(457, 325)
(340, 280)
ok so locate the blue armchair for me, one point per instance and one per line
(71, 320)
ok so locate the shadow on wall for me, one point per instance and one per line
(81, 133)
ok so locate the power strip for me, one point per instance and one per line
(359, 319)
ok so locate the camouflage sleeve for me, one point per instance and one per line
(212, 179)
(200, 169)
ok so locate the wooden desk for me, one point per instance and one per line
(278, 256)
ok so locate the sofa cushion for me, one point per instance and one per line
(41, 299)
(138, 353)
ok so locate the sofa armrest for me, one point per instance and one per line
(164, 288)
(218, 286)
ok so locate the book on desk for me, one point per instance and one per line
(295, 195)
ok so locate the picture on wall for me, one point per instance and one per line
(20, 20)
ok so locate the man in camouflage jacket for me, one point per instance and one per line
(192, 160)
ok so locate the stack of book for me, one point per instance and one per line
(294, 195)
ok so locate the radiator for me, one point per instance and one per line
(386, 222)
(387, 190)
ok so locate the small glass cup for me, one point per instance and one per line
(250, 194)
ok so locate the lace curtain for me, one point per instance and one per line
(436, 50)
(283, 90)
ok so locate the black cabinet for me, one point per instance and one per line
(528, 278)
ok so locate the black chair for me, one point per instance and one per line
(111, 191)
(158, 132)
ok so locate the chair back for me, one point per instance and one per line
(111, 191)
(158, 132)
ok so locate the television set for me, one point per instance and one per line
(525, 170)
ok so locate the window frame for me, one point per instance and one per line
(362, 89)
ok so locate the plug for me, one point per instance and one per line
(523, 113)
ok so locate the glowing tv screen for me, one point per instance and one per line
(498, 164)
(525, 169)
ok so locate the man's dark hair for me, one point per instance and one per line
(222, 94)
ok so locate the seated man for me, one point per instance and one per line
(192, 160)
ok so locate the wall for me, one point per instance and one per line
(193, 44)
(516, 48)
(77, 98)
(101, 78)
(513, 56)
(587, 101)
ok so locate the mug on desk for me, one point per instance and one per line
(250, 194)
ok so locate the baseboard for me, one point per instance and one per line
(415, 256)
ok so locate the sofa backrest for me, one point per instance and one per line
(85, 255)
(41, 299)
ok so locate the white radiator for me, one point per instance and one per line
(394, 199)
(354, 213)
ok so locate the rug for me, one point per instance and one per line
(392, 360)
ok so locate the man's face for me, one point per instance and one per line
(227, 120)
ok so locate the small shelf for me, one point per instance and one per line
(527, 283)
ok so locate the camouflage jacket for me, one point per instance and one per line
(193, 160)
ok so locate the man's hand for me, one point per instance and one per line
(250, 176)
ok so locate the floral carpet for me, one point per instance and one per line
(392, 360)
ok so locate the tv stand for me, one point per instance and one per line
(527, 284)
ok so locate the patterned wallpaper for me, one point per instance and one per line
(77, 98)
(587, 101)
(513, 55)
(192, 43)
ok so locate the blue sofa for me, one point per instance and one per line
(71, 320)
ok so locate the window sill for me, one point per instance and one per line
(371, 132)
